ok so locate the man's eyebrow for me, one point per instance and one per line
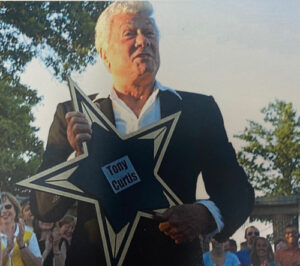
(127, 23)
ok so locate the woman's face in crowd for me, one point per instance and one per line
(26, 213)
(261, 247)
(8, 212)
(67, 229)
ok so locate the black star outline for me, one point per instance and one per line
(55, 180)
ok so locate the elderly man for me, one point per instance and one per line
(127, 40)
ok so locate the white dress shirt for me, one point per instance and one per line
(127, 122)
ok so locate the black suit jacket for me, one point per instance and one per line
(199, 144)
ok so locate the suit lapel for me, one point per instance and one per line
(106, 108)
(169, 103)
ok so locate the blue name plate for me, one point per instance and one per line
(120, 174)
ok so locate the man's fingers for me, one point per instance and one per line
(79, 125)
(82, 137)
(179, 235)
(78, 130)
(74, 118)
(182, 237)
(189, 221)
(178, 238)
(79, 139)
(167, 228)
(77, 120)
(164, 226)
(71, 115)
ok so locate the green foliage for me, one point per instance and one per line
(20, 152)
(271, 157)
(270, 238)
(61, 34)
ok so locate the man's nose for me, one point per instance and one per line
(141, 40)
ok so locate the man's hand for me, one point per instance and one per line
(186, 222)
(78, 130)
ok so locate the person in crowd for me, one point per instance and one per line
(127, 40)
(218, 256)
(51, 244)
(43, 233)
(26, 213)
(251, 233)
(289, 255)
(19, 245)
(262, 253)
(67, 225)
(230, 246)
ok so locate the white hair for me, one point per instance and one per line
(103, 29)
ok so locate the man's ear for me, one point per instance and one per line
(104, 57)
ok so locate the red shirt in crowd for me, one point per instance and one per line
(288, 256)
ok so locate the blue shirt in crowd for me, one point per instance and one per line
(244, 256)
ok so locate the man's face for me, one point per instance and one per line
(291, 236)
(133, 51)
(251, 234)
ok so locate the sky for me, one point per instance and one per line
(244, 53)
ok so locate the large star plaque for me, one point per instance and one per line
(118, 174)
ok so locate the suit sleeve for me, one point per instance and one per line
(45, 206)
(225, 181)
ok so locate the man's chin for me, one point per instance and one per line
(147, 67)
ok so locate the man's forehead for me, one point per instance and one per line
(291, 229)
(252, 229)
(128, 19)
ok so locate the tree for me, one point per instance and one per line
(61, 34)
(20, 152)
(271, 156)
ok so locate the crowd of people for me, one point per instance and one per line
(256, 250)
(26, 241)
